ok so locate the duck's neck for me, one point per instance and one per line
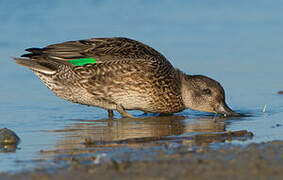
(187, 89)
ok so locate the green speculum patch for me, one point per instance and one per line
(82, 61)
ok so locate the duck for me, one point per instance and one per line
(122, 74)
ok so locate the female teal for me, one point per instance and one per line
(122, 74)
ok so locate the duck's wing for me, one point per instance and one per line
(96, 50)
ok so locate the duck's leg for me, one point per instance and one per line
(110, 114)
(165, 114)
(122, 111)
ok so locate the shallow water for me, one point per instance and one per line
(239, 44)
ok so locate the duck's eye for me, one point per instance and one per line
(207, 91)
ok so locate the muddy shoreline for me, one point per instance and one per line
(254, 161)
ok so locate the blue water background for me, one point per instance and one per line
(239, 43)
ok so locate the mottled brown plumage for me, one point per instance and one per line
(127, 75)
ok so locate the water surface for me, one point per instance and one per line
(237, 43)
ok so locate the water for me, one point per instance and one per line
(237, 43)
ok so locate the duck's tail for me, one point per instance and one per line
(45, 66)
(38, 60)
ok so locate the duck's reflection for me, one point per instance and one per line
(150, 129)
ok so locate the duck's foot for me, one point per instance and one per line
(110, 114)
(122, 111)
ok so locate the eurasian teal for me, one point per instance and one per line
(122, 74)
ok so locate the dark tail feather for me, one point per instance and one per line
(34, 53)
(35, 50)
(30, 55)
(44, 66)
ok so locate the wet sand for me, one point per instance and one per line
(255, 161)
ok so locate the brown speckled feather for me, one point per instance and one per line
(144, 84)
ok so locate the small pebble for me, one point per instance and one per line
(7, 136)
(8, 140)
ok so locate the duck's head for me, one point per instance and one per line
(204, 94)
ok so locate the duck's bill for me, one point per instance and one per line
(226, 111)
